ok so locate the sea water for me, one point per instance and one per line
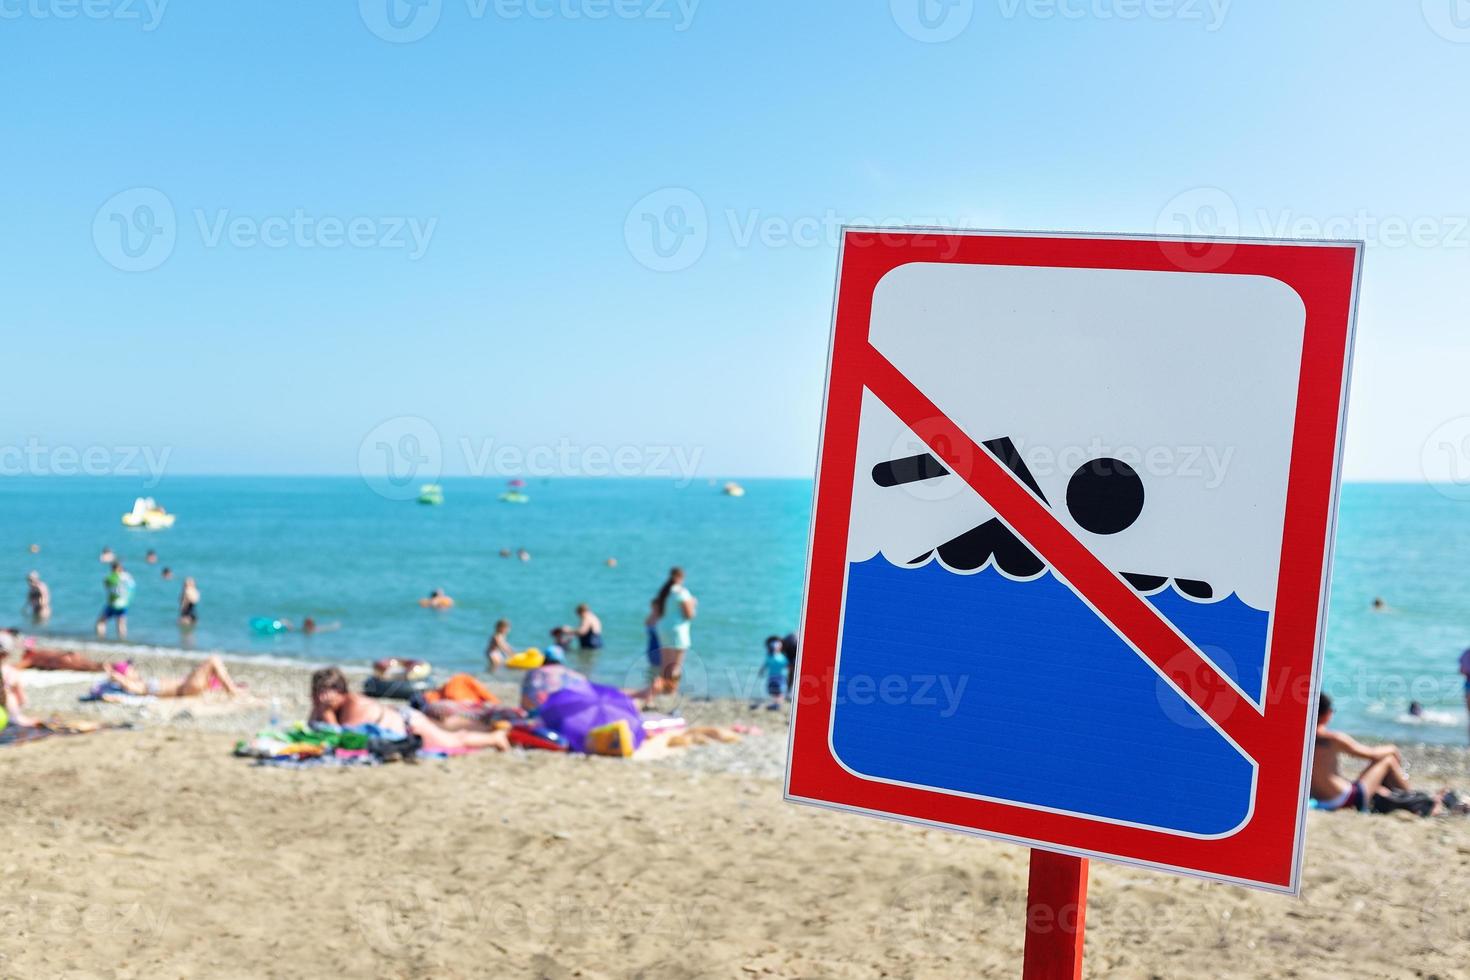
(332, 549)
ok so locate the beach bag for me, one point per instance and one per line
(395, 749)
(395, 690)
(1415, 801)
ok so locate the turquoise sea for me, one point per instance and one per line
(333, 549)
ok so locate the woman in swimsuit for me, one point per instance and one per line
(38, 598)
(189, 604)
(334, 702)
(674, 601)
(208, 676)
(589, 628)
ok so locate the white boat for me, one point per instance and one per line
(733, 489)
(148, 514)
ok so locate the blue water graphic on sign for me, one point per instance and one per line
(1017, 691)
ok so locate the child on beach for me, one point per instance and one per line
(499, 650)
(773, 672)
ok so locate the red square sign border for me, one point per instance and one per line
(1266, 851)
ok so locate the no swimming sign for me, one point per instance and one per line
(1071, 541)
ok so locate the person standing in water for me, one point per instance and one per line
(677, 605)
(189, 604)
(38, 599)
(119, 586)
(589, 628)
(499, 650)
(1465, 670)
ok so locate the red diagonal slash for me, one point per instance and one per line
(1134, 619)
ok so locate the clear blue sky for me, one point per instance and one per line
(526, 130)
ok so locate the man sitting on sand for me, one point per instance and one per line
(335, 703)
(208, 676)
(1383, 774)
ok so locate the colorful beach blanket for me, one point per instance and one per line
(23, 734)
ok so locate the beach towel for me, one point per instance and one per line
(113, 693)
(334, 760)
(23, 734)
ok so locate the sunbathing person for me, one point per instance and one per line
(12, 692)
(34, 658)
(37, 659)
(335, 703)
(208, 676)
(1383, 774)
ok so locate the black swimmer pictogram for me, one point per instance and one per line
(1104, 496)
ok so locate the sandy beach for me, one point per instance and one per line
(153, 853)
